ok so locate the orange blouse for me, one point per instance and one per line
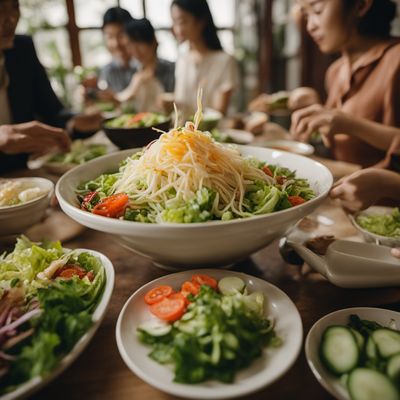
(370, 88)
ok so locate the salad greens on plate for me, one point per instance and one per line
(48, 295)
(383, 225)
(79, 153)
(139, 120)
(208, 329)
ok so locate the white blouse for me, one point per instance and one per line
(215, 73)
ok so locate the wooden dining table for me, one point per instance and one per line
(100, 373)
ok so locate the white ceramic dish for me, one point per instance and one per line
(239, 136)
(372, 237)
(213, 243)
(331, 383)
(28, 388)
(262, 372)
(291, 146)
(16, 219)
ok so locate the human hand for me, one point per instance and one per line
(86, 122)
(317, 118)
(361, 189)
(32, 137)
(396, 252)
(260, 103)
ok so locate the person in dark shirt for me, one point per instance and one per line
(32, 119)
(116, 75)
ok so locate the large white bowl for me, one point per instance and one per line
(18, 218)
(213, 243)
(32, 386)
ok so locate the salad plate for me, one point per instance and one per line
(380, 225)
(97, 311)
(262, 371)
(334, 384)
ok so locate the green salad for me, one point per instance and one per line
(207, 330)
(48, 295)
(185, 176)
(140, 120)
(80, 153)
(383, 225)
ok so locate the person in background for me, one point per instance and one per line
(116, 75)
(363, 84)
(26, 97)
(154, 75)
(364, 188)
(205, 64)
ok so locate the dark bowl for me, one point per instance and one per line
(129, 138)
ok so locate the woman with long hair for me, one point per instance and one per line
(363, 84)
(205, 64)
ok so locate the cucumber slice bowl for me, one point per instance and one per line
(357, 362)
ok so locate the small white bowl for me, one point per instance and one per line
(291, 146)
(332, 383)
(16, 219)
(372, 237)
(32, 386)
(273, 363)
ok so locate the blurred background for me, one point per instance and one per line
(273, 53)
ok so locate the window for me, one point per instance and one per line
(68, 32)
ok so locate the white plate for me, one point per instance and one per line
(262, 372)
(331, 383)
(291, 146)
(28, 388)
(238, 135)
(373, 237)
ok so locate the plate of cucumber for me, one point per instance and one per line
(355, 353)
(209, 334)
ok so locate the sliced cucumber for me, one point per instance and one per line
(339, 350)
(369, 384)
(393, 367)
(156, 328)
(387, 341)
(230, 285)
(255, 302)
(371, 349)
(359, 338)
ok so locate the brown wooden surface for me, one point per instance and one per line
(99, 373)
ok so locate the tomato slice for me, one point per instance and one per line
(69, 271)
(169, 309)
(267, 170)
(157, 294)
(296, 200)
(112, 206)
(190, 288)
(179, 295)
(138, 117)
(199, 279)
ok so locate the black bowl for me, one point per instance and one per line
(129, 138)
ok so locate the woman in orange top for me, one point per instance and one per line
(363, 84)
